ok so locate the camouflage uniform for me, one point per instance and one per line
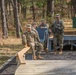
(57, 30)
(38, 45)
(29, 40)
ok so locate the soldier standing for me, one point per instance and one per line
(29, 36)
(57, 30)
(39, 46)
(43, 24)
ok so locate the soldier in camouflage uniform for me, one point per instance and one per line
(38, 45)
(28, 38)
(57, 30)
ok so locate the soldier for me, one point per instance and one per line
(29, 37)
(43, 24)
(57, 30)
(34, 29)
(39, 46)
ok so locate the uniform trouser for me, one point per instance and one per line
(58, 40)
(32, 45)
(39, 48)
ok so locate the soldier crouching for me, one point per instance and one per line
(57, 30)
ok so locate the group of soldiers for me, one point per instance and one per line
(31, 37)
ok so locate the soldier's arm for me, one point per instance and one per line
(62, 25)
(38, 37)
(24, 40)
(34, 34)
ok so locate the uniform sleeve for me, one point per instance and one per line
(38, 37)
(34, 34)
(24, 40)
(62, 23)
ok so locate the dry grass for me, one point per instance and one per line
(8, 48)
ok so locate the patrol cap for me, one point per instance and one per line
(34, 24)
(28, 25)
(42, 20)
(57, 15)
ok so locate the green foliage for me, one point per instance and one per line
(11, 33)
(25, 3)
(40, 3)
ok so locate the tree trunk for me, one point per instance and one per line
(43, 11)
(9, 8)
(50, 8)
(24, 11)
(71, 10)
(6, 11)
(33, 10)
(53, 8)
(18, 1)
(74, 6)
(16, 19)
(4, 24)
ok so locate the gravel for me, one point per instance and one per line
(10, 68)
(67, 55)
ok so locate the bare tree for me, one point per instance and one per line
(4, 23)
(33, 9)
(16, 19)
(50, 8)
(74, 6)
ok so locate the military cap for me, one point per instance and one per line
(34, 24)
(28, 25)
(42, 20)
(57, 15)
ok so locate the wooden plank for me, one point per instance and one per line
(21, 59)
(20, 55)
(24, 50)
(47, 67)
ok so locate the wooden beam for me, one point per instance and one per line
(20, 55)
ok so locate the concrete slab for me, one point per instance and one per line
(47, 67)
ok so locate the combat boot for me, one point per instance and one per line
(39, 57)
(34, 57)
(46, 50)
(60, 51)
